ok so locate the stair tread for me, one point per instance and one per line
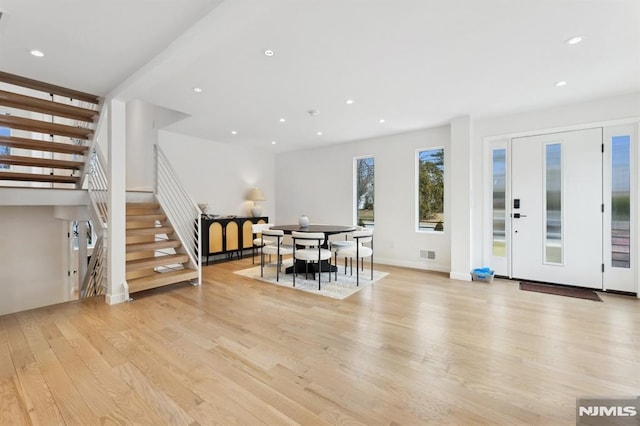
(160, 279)
(40, 162)
(40, 126)
(150, 205)
(39, 145)
(33, 177)
(155, 245)
(168, 259)
(152, 230)
(146, 216)
(44, 106)
(48, 88)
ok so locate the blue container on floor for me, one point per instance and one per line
(482, 274)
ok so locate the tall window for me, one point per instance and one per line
(499, 201)
(621, 202)
(553, 203)
(365, 191)
(4, 150)
(431, 190)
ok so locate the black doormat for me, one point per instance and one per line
(580, 293)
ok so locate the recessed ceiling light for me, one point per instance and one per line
(197, 89)
(273, 142)
(269, 52)
(319, 133)
(573, 40)
(37, 53)
(233, 132)
(381, 120)
(349, 101)
(282, 120)
(561, 83)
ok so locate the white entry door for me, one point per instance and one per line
(557, 208)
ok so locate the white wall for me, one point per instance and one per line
(142, 124)
(319, 183)
(551, 119)
(32, 258)
(221, 174)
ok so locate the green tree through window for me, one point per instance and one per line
(365, 191)
(431, 190)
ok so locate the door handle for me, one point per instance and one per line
(518, 215)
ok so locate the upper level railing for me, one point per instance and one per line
(183, 213)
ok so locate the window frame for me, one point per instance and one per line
(354, 197)
(416, 196)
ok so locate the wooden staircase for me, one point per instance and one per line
(50, 127)
(154, 258)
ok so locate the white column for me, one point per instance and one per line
(461, 196)
(116, 277)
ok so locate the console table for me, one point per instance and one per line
(227, 235)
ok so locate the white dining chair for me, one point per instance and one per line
(274, 247)
(256, 230)
(348, 241)
(311, 251)
(362, 248)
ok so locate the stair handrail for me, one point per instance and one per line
(95, 179)
(183, 213)
(94, 283)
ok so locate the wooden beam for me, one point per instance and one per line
(39, 145)
(29, 103)
(47, 88)
(40, 126)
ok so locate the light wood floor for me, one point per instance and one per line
(414, 348)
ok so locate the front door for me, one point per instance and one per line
(557, 208)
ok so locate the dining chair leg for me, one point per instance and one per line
(261, 264)
(371, 260)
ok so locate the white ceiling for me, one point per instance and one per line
(413, 63)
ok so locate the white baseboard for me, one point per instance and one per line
(460, 276)
(428, 266)
(114, 299)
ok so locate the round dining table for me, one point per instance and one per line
(326, 230)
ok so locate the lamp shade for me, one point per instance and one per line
(255, 195)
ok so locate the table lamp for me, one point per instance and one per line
(254, 195)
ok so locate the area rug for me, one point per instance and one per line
(343, 288)
(579, 293)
